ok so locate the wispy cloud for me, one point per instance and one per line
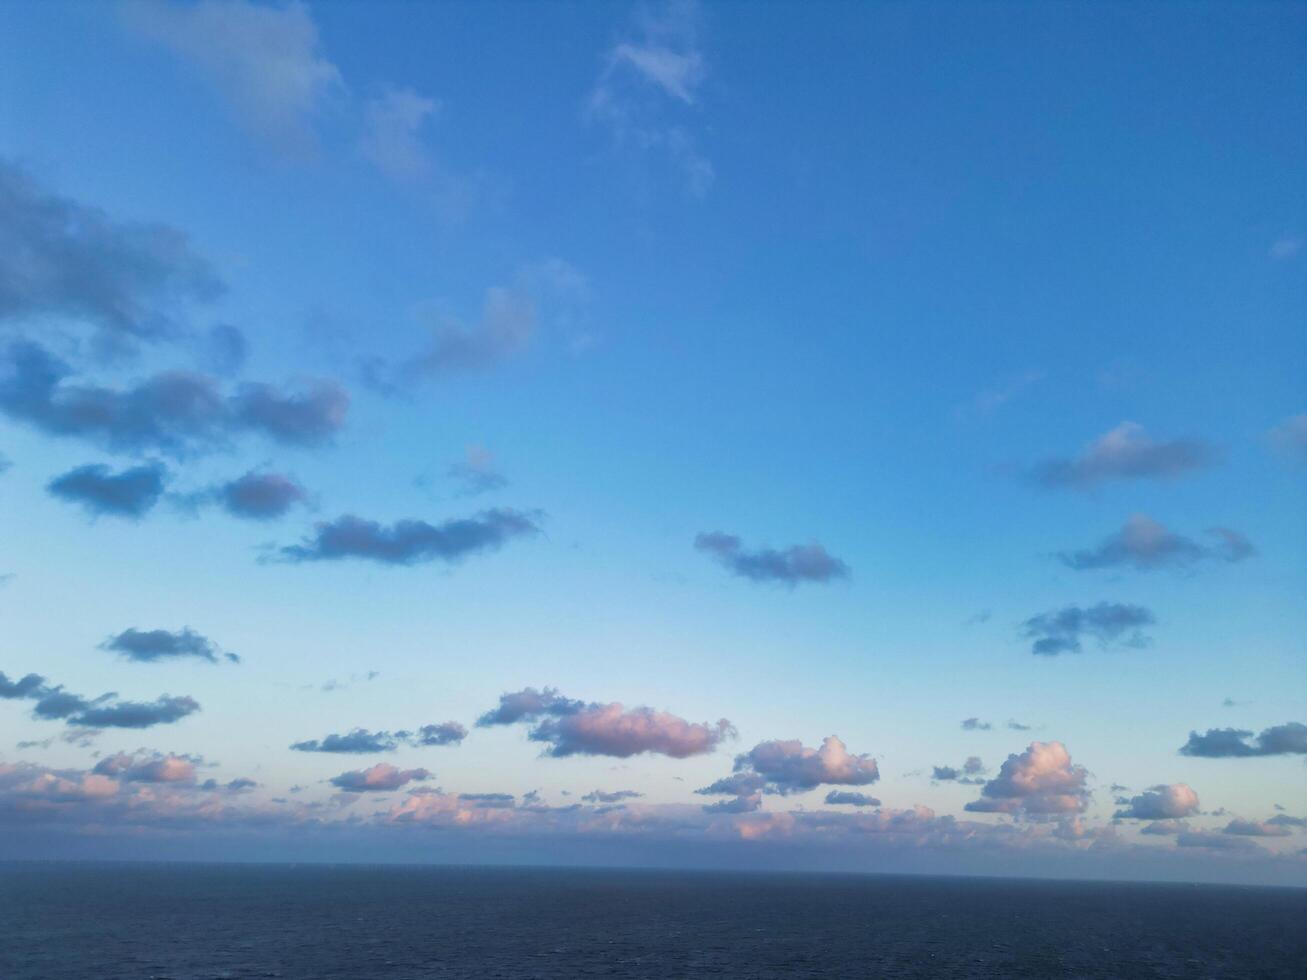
(790, 566)
(1144, 544)
(1125, 453)
(411, 542)
(1109, 623)
(649, 86)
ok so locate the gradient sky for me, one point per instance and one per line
(830, 370)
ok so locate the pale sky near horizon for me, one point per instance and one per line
(639, 396)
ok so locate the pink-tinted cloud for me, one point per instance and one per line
(1041, 780)
(147, 768)
(1161, 803)
(383, 777)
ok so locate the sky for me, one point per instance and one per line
(854, 437)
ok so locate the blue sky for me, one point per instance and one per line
(805, 367)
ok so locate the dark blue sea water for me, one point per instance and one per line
(193, 921)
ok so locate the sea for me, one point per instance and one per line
(187, 922)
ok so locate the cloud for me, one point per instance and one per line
(25, 687)
(1040, 781)
(1254, 828)
(151, 646)
(100, 491)
(1226, 743)
(618, 796)
(648, 83)
(490, 800)
(1145, 544)
(1164, 828)
(391, 139)
(1290, 437)
(788, 766)
(445, 733)
(975, 725)
(575, 728)
(477, 472)
(410, 542)
(260, 496)
(968, 773)
(1285, 247)
(847, 798)
(1214, 841)
(382, 777)
(1062, 630)
(225, 349)
(1161, 803)
(1017, 726)
(147, 768)
(264, 61)
(1125, 453)
(178, 413)
(135, 714)
(505, 328)
(61, 261)
(360, 740)
(798, 563)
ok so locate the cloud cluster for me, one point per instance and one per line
(61, 261)
(968, 773)
(152, 646)
(648, 84)
(576, 728)
(1171, 802)
(782, 767)
(360, 740)
(410, 542)
(1234, 743)
(176, 413)
(1040, 781)
(147, 767)
(1125, 453)
(798, 563)
(54, 703)
(131, 492)
(381, 778)
(1257, 828)
(1144, 544)
(1062, 630)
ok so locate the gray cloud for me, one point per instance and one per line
(54, 703)
(507, 323)
(360, 740)
(260, 496)
(1214, 841)
(1126, 452)
(1017, 726)
(798, 563)
(975, 725)
(409, 542)
(1062, 630)
(445, 733)
(149, 646)
(1145, 545)
(1226, 743)
(163, 710)
(575, 728)
(617, 796)
(64, 261)
(492, 801)
(147, 767)
(177, 413)
(25, 687)
(847, 798)
(968, 773)
(1255, 828)
(1161, 803)
(380, 778)
(476, 473)
(100, 491)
